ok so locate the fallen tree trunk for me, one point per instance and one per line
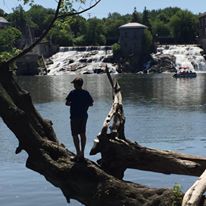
(83, 181)
(118, 153)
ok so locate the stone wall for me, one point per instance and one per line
(131, 43)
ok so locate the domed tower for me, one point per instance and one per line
(131, 40)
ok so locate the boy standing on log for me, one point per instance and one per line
(79, 101)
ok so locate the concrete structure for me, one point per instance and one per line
(3, 22)
(131, 38)
(202, 30)
(131, 44)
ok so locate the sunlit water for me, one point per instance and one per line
(161, 112)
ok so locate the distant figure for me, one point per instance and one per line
(79, 101)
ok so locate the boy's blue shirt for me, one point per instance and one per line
(79, 101)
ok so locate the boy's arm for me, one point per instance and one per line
(68, 100)
(67, 103)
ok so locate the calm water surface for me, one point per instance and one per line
(161, 112)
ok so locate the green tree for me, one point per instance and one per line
(39, 18)
(111, 26)
(78, 25)
(148, 42)
(95, 34)
(135, 16)
(19, 19)
(61, 33)
(159, 28)
(145, 18)
(2, 13)
(8, 38)
(184, 26)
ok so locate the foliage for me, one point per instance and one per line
(78, 25)
(184, 26)
(135, 16)
(148, 42)
(111, 26)
(145, 18)
(5, 55)
(177, 195)
(18, 19)
(170, 23)
(2, 13)
(61, 34)
(8, 38)
(159, 28)
(39, 19)
(95, 32)
(116, 49)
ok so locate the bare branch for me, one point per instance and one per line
(39, 39)
(79, 12)
(56, 16)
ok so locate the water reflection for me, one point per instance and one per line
(161, 112)
(55, 88)
(164, 90)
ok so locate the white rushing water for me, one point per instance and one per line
(80, 60)
(186, 56)
(89, 60)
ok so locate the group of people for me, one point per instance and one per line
(79, 101)
(183, 70)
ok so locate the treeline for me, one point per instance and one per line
(169, 24)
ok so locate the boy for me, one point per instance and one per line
(79, 101)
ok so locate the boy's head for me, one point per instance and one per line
(78, 82)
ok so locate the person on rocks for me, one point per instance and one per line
(79, 101)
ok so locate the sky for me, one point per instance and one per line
(120, 6)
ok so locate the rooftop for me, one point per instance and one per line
(133, 25)
(202, 15)
(3, 20)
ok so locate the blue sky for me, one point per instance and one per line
(121, 6)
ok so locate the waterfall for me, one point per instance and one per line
(81, 60)
(189, 56)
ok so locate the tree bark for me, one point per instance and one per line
(86, 181)
(193, 196)
(83, 181)
(118, 153)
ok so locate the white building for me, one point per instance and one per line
(3, 22)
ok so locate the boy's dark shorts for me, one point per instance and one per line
(78, 126)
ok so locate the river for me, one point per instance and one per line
(161, 112)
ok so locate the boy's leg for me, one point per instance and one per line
(83, 143)
(74, 131)
(83, 135)
(76, 144)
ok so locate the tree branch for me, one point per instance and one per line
(56, 16)
(79, 12)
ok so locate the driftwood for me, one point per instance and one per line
(83, 181)
(86, 181)
(118, 153)
(90, 183)
(193, 196)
